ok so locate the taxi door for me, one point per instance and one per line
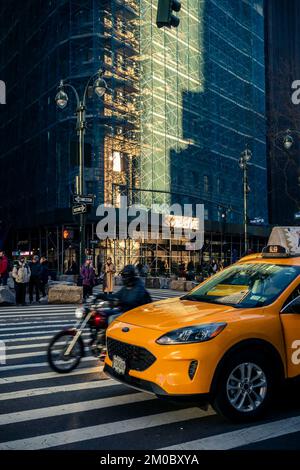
(290, 320)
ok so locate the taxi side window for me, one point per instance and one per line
(292, 296)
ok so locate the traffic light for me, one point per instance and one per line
(68, 234)
(165, 15)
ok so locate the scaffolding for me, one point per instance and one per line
(181, 106)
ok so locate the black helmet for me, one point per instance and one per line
(129, 275)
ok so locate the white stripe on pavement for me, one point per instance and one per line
(20, 340)
(242, 437)
(101, 430)
(8, 324)
(40, 364)
(28, 346)
(17, 335)
(9, 357)
(45, 375)
(34, 392)
(78, 407)
(37, 307)
(38, 316)
(22, 328)
(32, 346)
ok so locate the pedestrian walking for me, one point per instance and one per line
(35, 278)
(108, 280)
(21, 275)
(44, 275)
(3, 269)
(88, 278)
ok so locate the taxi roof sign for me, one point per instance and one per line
(283, 241)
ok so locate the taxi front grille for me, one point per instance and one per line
(136, 358)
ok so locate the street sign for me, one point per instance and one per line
(81, 199)
(94, 242)
(297, 216)
(79, 209)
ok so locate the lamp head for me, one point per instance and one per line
(61, 97)
(288, 141)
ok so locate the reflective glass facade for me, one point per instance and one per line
(203, 100)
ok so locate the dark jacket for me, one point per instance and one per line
(35, 269)
(132, 297)
(44, 272)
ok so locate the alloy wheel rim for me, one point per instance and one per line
(246, 387)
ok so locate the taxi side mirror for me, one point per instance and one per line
(292, 307)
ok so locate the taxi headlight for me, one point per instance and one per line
(79, 312)
(192, 334)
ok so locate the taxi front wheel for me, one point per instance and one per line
(245, 387)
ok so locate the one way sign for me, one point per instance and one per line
(79, 199)
(79, 209)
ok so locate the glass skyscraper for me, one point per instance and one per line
(203, 101)
(182, 105)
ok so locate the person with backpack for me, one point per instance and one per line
(3, 269)
(21, 275)
(35, 278)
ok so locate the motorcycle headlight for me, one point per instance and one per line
(192, 334)
(79, 312)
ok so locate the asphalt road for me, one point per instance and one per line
(40, 409)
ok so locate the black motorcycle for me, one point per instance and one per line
(67, 348)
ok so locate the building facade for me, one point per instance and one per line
(283, 68)
(181, 107)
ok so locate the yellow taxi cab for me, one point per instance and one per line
(230, 342)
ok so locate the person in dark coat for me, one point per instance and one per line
(88, 278)
(35, 278)
(44, 275)
(133, 293)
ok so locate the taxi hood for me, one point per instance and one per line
(175, 313)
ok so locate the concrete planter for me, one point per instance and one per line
(6, 296)
(63, 294)
(178, 284)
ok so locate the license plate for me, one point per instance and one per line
(119, 365)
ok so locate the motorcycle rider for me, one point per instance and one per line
(131, 295)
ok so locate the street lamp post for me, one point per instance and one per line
(246, 156)
(99, 87)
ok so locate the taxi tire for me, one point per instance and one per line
(220, 401)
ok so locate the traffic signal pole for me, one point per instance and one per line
(81, 126)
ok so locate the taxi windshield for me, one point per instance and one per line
(246, 285)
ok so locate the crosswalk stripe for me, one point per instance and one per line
(242, 437)
(27, 346)
(45, 375)
(30, 346)
(69, 408)
(34, 365)
(22, 328)
(102, 430)
(9, 357)
(9, 324)
(38, 317)
(34, 392)
(16, 335)
(27, 339)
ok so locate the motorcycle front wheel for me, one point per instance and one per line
(58, 360)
